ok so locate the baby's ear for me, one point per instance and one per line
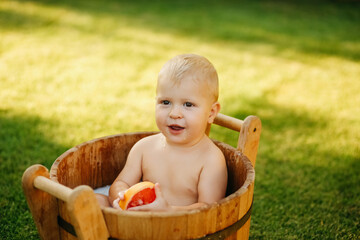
(215, 109)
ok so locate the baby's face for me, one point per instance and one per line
(182, 111)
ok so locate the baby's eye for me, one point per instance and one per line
(165, 102)
(188, 104)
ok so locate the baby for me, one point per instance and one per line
(188, 168)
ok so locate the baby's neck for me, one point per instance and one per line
(202, 142)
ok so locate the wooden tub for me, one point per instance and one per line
(65, 209)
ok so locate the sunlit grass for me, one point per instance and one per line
(74, 71)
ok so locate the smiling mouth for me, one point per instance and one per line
(176, 127)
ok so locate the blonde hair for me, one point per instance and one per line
(198, 67)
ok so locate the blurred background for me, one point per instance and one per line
(72, 71)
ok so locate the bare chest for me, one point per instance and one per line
(178, 176)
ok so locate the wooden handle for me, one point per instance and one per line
(59, 191)
(229, 122)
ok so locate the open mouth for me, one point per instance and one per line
(176, 127)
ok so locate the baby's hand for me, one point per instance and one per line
(117, 200)
(160, 204)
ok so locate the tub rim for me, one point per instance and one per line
(250, 178)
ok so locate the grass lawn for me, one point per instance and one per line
(71, 71)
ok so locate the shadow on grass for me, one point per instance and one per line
(20, 21)
(322, 28)
(22, 144)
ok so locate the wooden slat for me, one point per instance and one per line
(59, 191)
(228, 122)
(249, 138)
(86, 214)
(42, 205)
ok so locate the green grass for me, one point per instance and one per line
(71, 71)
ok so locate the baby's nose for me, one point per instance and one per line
(175, 112)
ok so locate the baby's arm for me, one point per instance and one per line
(160, 204)
(130, 175)
(213, 179)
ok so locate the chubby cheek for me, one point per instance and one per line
(160, 118)
(198, 123)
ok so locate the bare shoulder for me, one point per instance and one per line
(214, 154)
(132, 171)
(147, 142)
